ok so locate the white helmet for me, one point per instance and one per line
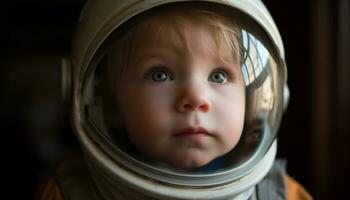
(115, 170)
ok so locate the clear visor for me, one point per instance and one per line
(152, 119)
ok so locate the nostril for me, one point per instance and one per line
(188, 107)
(193, 102)
(204, 107)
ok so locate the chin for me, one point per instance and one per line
(189, 164)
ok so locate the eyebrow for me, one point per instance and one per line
(150, 54)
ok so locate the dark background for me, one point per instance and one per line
(36, 34)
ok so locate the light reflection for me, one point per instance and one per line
(255, 57)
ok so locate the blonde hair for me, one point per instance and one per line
(222, 27)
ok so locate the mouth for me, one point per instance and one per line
(193, 132)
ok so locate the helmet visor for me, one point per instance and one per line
(108, 110)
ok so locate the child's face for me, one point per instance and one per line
(181, 102)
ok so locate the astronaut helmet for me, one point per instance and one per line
(113, 38)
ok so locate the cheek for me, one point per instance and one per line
(147, 119)
(231, 103)
(233, 113)
(231, 109)
(144, 109)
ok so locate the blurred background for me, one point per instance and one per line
(35, 127)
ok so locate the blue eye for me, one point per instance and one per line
(218, 77)
(158, 75)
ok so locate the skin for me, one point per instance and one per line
(181, 104)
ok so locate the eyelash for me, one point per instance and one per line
(222, 72)
(167, 75)
(151, 74)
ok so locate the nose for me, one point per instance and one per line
(193, 98)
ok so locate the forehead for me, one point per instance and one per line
(158, 31)
(183, 32)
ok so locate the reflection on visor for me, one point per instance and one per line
(255, 57)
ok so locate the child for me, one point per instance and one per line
(182, 101)
(185, 69)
